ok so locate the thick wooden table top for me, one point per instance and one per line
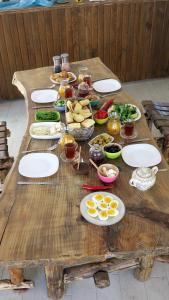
(42, 224)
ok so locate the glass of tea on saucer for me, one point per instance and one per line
(128, 130)
(70, 152)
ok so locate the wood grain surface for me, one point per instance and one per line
(42, 224)
(131, 37)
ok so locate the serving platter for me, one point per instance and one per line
(38, 165)
(46, 125)
(96, 220)
(74, 77)
(44, 96)
(141, 155)
(112, 108)
(107, 86)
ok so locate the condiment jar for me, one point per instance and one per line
(143, 178)
(114, 124)
(57, 64)
(65, 62)
(96, 153)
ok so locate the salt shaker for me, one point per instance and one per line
(65, 62)
(57, 64)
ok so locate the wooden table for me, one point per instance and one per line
(42, 225)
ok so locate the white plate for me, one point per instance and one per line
(38, 165)
(137, 109)
(97, 221)
(45, 137)
(106, 86)
(58, 82)
(44, 96)
(141, 155)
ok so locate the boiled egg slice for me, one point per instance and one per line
(91, 204)
(102, 206)
(98, 197)
(112, 212)
(114, 204)
(103, 215)
(107, 199)
(92, 212)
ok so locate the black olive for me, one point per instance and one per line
(112, 149)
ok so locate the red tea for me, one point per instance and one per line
(69, 92)
(88, 80)
(129, 128)
(70, 150)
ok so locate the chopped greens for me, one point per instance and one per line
(60, 103)
(47, 116)
(126, 112)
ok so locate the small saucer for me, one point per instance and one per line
(65, 159)
(128, 137)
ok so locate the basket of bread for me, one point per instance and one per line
(79, 119)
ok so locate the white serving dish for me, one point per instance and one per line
(44, 96)
(106, 85)
(97, 221)
(38, 165)
(45, 137)
(141, 155)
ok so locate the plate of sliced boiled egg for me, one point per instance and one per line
(102, 208)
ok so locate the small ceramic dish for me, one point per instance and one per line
(60, 105)
(112, 155)
(101, 117)
(105, 178)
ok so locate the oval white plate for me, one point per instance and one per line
(106, 86)
(137, 109)
(141, 155)
(38, 165)
(44, 96)
(97, 221)
(58, 82)
(44, 137)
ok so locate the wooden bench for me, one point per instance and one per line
(157, 113)
(5, 160)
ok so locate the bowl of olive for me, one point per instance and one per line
(112, 150)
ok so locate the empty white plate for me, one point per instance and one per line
(141, 155)
(44, 96)
(106, 86)
(38, 165)
(96, 220)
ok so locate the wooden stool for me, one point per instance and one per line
(5, 160)
(158, 113)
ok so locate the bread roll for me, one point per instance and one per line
(77, 108)
(85, 111)
(84, 102)
(86, 114)
(69, 117)
(88, 123)
(74, 125)
(78, 118)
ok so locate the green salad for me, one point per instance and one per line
(60, 103)
(47, 116)
(126, 112)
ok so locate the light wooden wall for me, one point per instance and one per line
(131, 37)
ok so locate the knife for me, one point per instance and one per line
(36, 183)
(96, 187)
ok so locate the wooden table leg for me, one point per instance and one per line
(144, 269)
(54, 281)
(16, 275)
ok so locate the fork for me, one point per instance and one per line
(37, 150)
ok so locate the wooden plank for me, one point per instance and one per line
(42, 38)
(54, 281)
